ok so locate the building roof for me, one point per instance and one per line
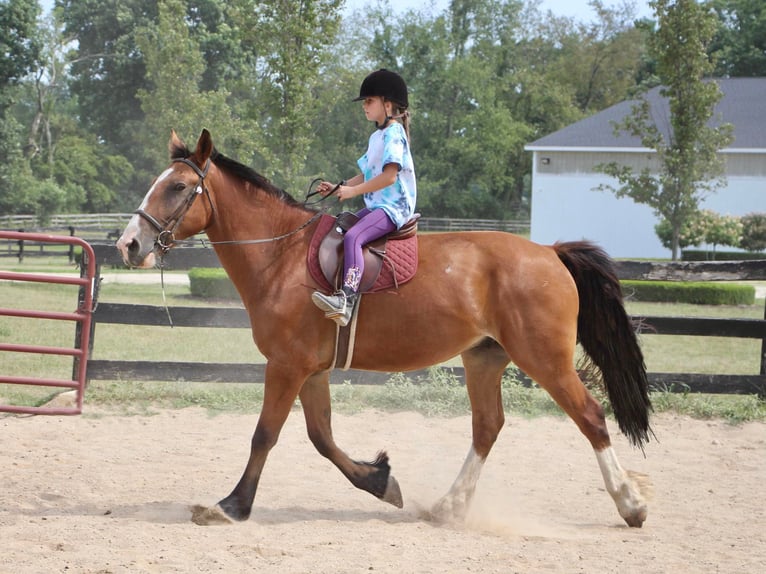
(743, 105)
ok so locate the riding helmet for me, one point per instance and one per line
(387, 84)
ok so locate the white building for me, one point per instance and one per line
(566, 205)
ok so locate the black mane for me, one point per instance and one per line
(241, 171)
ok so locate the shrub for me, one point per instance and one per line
(753, 232)
(690, 292)
(705, 226)
(211, 283)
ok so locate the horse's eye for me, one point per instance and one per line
(180, 186)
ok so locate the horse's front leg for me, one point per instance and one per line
(373, 477)
(281, 387)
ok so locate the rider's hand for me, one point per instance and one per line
(325, 187)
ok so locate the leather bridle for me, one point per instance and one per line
(167, 228)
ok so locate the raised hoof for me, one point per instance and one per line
(393, 494)
(209, 516)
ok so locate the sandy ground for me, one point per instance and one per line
(102, 493)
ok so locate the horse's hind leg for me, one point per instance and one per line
(374, 477)
(627, 489)
(484, 368)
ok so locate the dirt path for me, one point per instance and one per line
(110, 494)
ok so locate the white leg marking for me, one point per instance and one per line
(455, 503)
(627, 489)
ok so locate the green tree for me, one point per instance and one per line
(753, 232)
(687, 154)
(20, 49)
(108, 69)
(600, 59)
(466, 140)
(290, 41)
(705, 226)
(19, 42)
(175, 100)
(739, 45)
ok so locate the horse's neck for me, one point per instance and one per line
(264, 220)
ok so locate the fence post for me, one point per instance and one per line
(763, 345)
(71, 245)
(21, 246)
(81, 298)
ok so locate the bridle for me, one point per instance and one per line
(166, 238)
(166, 229)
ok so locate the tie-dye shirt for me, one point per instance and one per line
(386, 146)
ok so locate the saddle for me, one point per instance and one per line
(389, 261)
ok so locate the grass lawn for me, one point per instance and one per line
(663, 353)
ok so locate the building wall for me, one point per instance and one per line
(566, 207)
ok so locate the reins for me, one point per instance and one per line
(306, 202)
(166, 230)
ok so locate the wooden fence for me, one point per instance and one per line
(218, 317)
(105, 228)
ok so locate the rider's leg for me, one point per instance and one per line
(372, 225)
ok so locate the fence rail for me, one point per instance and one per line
(105, 228)
(217, 317)
(108, 222)
(99, 221)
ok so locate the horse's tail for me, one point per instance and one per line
(606, 333)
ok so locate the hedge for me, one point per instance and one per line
(698, 293)
(211, 283)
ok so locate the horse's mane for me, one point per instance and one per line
(240, 171)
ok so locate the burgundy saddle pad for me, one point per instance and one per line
(389, 262)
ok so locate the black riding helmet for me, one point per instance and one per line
(386, 84)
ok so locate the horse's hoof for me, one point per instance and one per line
(207, 516)
(393, 494)
(637, 519)
(446, 511)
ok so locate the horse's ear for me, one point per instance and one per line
(204, 147)
(176, 146)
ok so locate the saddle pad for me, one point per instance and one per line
(399, 264)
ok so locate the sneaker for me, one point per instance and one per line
(337, 306)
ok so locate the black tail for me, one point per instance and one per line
(606, 333)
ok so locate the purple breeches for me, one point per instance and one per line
(372, 224)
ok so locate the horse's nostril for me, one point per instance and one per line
(134, 246)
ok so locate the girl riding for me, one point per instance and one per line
(387, 181)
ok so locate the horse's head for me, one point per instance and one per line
(169, 211)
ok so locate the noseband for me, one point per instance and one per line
(167, 228)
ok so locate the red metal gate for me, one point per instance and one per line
(82, 318)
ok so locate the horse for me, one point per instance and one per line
(491, 297)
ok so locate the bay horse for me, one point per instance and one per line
(491, 297)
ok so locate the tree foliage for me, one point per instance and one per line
(739, 45)
(687, 154)
(754, 232)
(89, 94)
(705, 226)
